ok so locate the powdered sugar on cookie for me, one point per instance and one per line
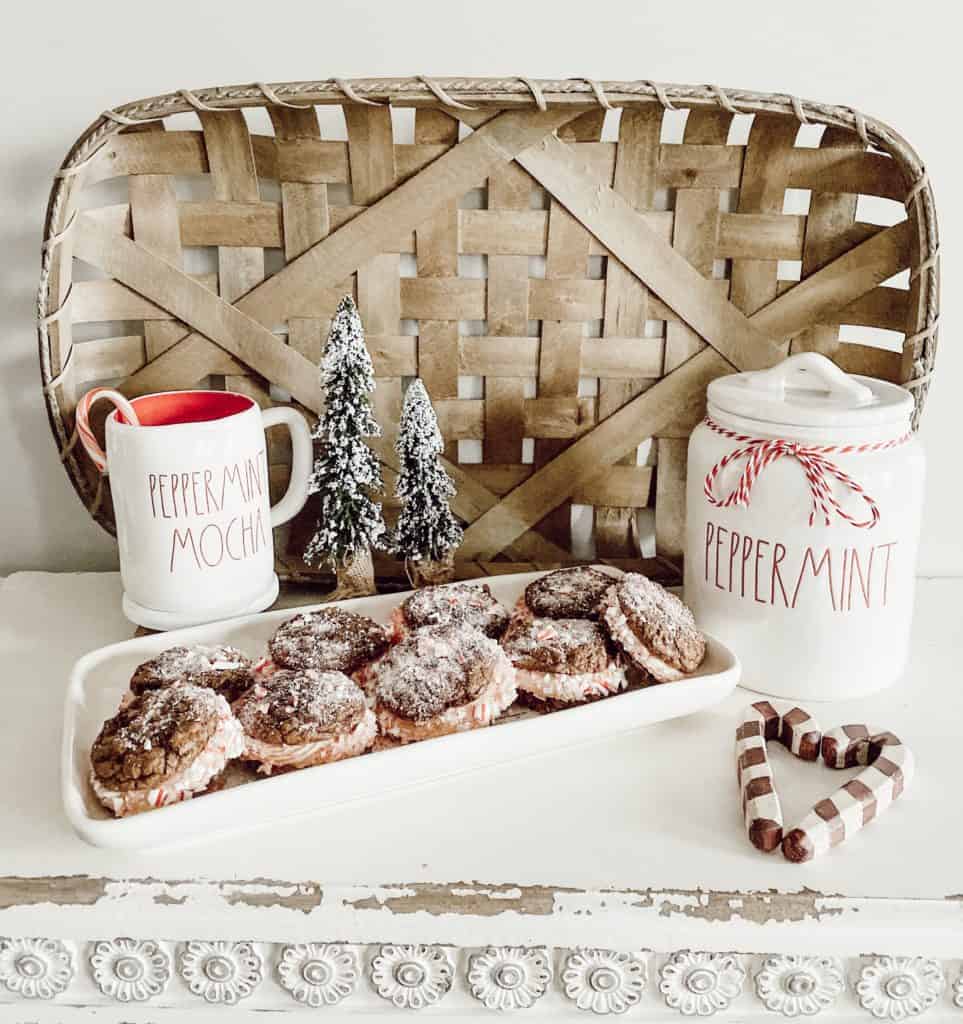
(653, 628)
(442, 679)
(301, 707)
(146, 733)
(219, 667)
(567, 593)
(562, 659)
(179, 664)
(331, 639)
(451, 604)
(497, 695)
(557, 645)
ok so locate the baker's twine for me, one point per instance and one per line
(761, 452)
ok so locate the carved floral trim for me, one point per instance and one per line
(895, 988)
(799, 985)
(701, 983)
(35, 968)
(130, 970)
(412, 977)
(505, 978)
(509, 977)
(318, 974)
(602, 980)
(958, 991)
(221, 972)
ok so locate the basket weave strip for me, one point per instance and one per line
(619, 277)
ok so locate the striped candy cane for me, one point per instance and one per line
(86, 435)
(833, 820)
(820, 470)
(799, 733)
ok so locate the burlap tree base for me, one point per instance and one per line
(428, 573)
(355, 576)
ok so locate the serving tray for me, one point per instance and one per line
(100, 678)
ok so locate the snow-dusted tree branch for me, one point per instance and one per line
(346, 471)
(426, 531)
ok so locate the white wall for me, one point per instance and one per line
(65, 62)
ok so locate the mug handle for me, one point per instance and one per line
(82, 418)
(302, 461)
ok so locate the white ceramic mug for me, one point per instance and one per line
(189, 481)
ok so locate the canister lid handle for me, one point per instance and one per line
(812, 372)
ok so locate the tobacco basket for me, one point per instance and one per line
(564, 281)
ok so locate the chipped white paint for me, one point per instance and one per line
(801, 921)
(513, 893)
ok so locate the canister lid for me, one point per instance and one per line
(809, 390)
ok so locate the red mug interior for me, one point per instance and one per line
(179, 407)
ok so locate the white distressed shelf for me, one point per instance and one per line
(631, 847)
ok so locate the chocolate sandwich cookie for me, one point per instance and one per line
(654, 630)
(163, 747)
(300, 718)
(460, 604)
(217, 667)
(328, 640)
(561, 662)
(440, 680)
(567, 593)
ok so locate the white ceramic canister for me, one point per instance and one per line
(803, 514)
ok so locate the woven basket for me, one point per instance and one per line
(563, 298)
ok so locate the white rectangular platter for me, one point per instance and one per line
(99, 680)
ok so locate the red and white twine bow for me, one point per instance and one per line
(760, 452)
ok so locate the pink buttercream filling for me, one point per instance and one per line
(266, 668)
(498, 695)
(521, 612)
(304, 755)
(558, 686)
(397, 627)
(366, 677)
(226, 743)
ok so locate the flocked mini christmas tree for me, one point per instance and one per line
(346, 471)
(427, 533)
